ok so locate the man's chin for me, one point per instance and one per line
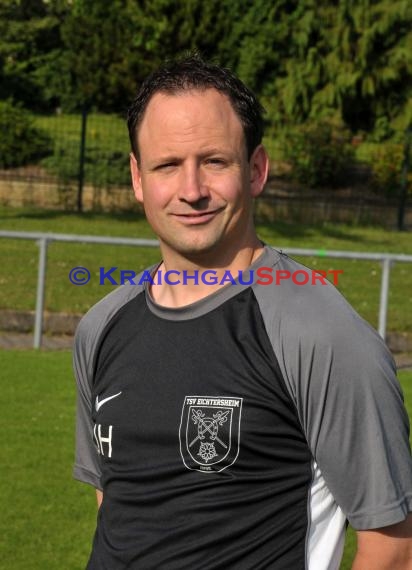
(195, 250)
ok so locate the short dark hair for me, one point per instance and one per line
(191, 73)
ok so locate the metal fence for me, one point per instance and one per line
(80, 150)
(92, 147)
(43, 239)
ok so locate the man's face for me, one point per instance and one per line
(193, 176)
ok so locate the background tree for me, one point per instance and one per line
(350, 60)
(110, 46)
(370, 62)
(29, 50)
(95, 43)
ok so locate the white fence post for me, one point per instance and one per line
(41, 284)
(383, 305)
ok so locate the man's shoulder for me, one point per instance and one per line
(312, 313)
(94, 322)
(294, 293)
(109, 305)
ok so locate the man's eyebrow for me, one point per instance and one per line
(215, 150)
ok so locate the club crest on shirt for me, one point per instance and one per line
(210, 432)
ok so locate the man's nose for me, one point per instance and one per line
(192, 186)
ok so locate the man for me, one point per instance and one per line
(229, 419)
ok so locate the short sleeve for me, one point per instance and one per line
(342, 380)
(86, 342)
(86, 467)
(356, 424)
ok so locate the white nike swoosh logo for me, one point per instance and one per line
(100, 404)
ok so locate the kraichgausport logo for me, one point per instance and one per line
(210, 432)
(261, 276)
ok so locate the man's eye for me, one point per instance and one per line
(216, 161)
(166, 166)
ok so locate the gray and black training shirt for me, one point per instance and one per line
(239, 432)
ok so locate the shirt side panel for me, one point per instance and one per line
(87, 338)
(326, 527)
(342, 379)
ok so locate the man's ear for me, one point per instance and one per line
(259, 169)
(136, 178)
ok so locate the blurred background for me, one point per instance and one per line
(335, 78)
(333, 75)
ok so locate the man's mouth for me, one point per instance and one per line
(193, 218)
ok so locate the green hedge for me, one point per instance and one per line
(319, 155)
(20, 141)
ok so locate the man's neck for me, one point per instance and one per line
(191, 280)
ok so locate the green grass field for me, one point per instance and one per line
(360, 282)
(47, 518)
